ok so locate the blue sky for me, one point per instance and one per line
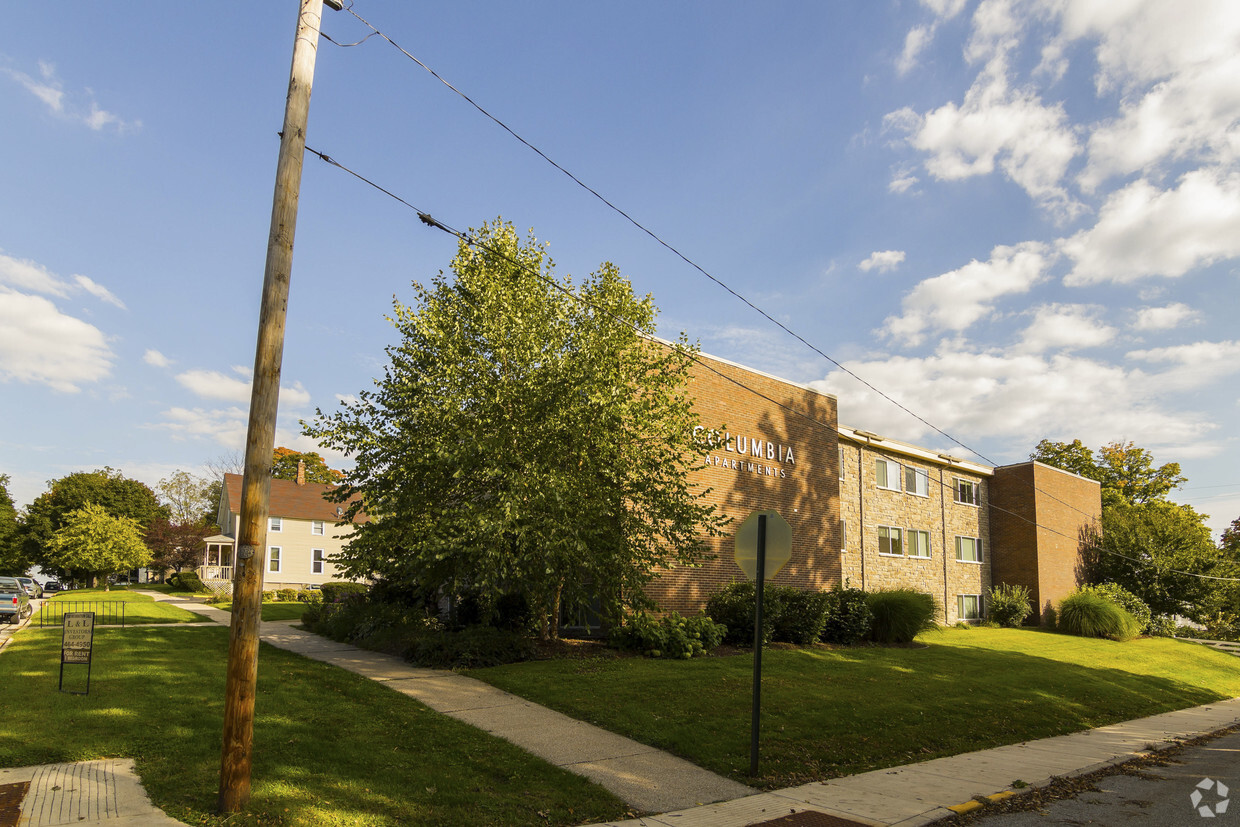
(1020, 218)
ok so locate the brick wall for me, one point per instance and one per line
(1038, 514)
(751, 469)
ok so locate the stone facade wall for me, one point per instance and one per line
(866, 508)
(776, 450)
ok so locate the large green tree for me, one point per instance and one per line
(94, 543)
(12, 561)
(1118, 466)
(107, 488)
(186, 496)
(522, 439)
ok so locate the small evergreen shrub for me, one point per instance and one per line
(1127, 601)
(187, 581)
(671, 637)
(1089, 614)
(848, 616)
(733, 606)
(469, 648)
(900, 614)
(789, 615)
(802, 616)
(337, 591)
(286, 595)
(309, 596)
(269, 596)
(1162, 626)
(1009, 605)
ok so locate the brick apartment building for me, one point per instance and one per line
(871, 511)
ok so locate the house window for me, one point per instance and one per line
(887, 474)
(841, 448)
(273, 559)
(275, 524)
(917, 481)
(890, 541)
(969, 549)
(969, 606)
(919, 544)
(316, 527)
(316, 561)
(966, 491)
(843, 535)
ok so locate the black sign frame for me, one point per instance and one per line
(77, 645)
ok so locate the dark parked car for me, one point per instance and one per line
(52, 586)
(14, 602)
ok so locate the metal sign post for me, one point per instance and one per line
(765, 538)
(76, 645)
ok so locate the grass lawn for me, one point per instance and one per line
(284, 610)
(330, 747)
(832, 712)
(139, 608)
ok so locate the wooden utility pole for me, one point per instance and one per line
(235, 761)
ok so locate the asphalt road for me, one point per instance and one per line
(1200, 786)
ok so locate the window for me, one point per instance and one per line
(843, 535)
(890, 541)
(969, 549)
(917, 481)
(919, 543)
(887, 474)
(316, 561)
(841, 461)
(966, 491)
(316, 527)
(273, 559)
(275, 524)
(969, 606)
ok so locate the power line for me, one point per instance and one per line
(430, 221)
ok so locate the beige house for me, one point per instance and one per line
(303, 536)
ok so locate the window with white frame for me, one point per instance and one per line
(275, 524)
(966, 491)
(887, 474)
(316, 561)
(316, 527)
(917, 481)
(969, 606)
(890, 541)
(918, 543)
(969, 549)
(273, 559)
(841, 447)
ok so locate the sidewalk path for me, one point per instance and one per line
(647, 779)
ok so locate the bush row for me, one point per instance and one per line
(671, 637)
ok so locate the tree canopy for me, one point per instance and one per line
(12, 561)
(95, 543)
(187, 497)
(107, 488)
(521, 440)
(176, 545)
(284, 466)
(1122, 467)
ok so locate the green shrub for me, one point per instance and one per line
(309, 596)
(900, 614)
(269, 596)
(1050, 617)
(1162, 626)
(1127, 601)
(187, 581)
(286, 595)
(1089, 614)
(671, 637)
(802, 616)
(336, 591)
(470, 648)
(848, 616)
(789, 615)
(733, 606)
(1009, 605)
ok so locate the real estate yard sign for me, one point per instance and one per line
(76, 644)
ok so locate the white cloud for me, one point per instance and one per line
(156, 359)
(953, 301)
(40, 344)
(883, 261)
(30, 275)
(98, 291)
(225, 426)
(1164, 318)
(914, 43)
(1065, 327)
(1192, 366)
(945, 9)
(901, 181)
(1018, 398)
(80, 107)
(1143, 231)
(211, 384)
